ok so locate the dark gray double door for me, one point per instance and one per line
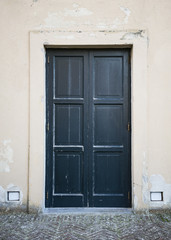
(87, 128)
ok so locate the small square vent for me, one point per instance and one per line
(13, 196)
(156, 196)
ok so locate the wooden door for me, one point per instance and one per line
(87, 128)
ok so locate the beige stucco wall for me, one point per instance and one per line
(26, 27)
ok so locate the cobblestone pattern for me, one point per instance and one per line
(85, 226)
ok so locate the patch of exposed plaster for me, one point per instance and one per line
(59, 19)
(3, 194)
(77, 12)
(92, 34)
(135, 202)
(109, 24)
(55, 20)
(117, 22)
(42, 99)
(65, 37)
(6, 156)
(132, 35)
(145, 187)
(158, 184)
(127, 13)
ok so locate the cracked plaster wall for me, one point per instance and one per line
(18, 18)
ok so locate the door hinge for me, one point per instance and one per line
(48, 59)
(129, 195)
(47, 195)
(129, 127)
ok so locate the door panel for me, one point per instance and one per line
(67, 105)
(108, 124)
(68, 172)
(68, 124)
(108, 76)
(109, 163)
(87, 140)
(68, 77)
(111, 183)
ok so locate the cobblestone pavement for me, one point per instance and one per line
(94, 226)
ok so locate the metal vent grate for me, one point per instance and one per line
(156, 196)
(13, 196)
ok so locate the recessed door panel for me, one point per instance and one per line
(68, 76)
(68, 173)
(108, 175)
(108, 77)
(108, 124)
(68, 124)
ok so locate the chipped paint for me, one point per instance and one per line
(66, 37)
(104, 25)
(132, 35)
(145, 180)
(2, 195)
(135, 202)
(55, 20)
(77, 12)
(6, 156)
(117, 22)
(158, 184)
(92, 34)
(59, 19)
(42, 99)
(127, 13)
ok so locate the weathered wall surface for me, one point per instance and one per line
(19, 18)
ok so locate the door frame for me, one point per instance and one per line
(39, 41)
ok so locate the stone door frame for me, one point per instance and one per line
(39, 41)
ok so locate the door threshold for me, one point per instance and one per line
(87, 210)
